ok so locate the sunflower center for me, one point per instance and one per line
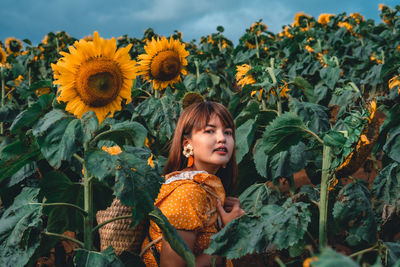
(98, 81)
(165, 66)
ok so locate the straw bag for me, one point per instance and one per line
(118, 233)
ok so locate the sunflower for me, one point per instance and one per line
(358, 17)
(13, 45)
(298, 18)
(308, 261)
(41, 91)
(163, 62)
(94, 76)
(395, 82)
(113, 150)
(242, 77)
(286, 33)
(324, 18)
(258, 27)
(3, 57)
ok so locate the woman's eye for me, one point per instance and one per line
(228, 132)
(209, 131)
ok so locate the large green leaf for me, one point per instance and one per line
(353, 212)
(50, 143)
(331, 258)
(386, 186)
(172, 236)
(20, 227)
(161, 115)
(305, 87)
(90, 124)
(313, 115)
(283, 132)
(132, 133)
(330, 76)
(99, 163)
(47, 121)
(392, 146)
(136, 183)
(106, 258)
(256, 196)
(244, 139)
(283, 226)
(393, 253)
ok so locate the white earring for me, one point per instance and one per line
(188, 150)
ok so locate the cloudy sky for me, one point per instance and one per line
(194, 18)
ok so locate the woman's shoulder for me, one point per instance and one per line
(185, 174)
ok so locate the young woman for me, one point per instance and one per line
(201, 169)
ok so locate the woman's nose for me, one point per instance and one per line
(221, 136)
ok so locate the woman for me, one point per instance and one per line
(201, 168)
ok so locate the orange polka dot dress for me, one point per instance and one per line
(188, 206)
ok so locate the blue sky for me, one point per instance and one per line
(194, 18)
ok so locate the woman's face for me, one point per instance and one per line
(205, 143)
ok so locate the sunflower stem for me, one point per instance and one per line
(257, 49)
(3, 92)
(156, 94)
(88, 207)
(196, 63)
(29, 76)
(323, 210)
(62, 204)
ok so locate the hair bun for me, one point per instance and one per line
(191, 98)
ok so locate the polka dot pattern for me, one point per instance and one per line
(188, 207)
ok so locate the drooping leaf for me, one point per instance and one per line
(172, 236)
(305, 87)
(99, 163)
(330, 76)
(392, 146)
(331, 258)
(314, 115)
(106, 258)
(393, 253)
(286, 130)
(20, 227)
(29, 116)
(256, 196)
(334, 139)
(244, 139)
(386, 186)
(90, 124)
(47, 121)
(353, 212)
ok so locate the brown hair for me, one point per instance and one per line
(196, 116)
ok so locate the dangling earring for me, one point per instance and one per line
(224, 166)
(188, 152)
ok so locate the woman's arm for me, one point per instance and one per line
(170, 258)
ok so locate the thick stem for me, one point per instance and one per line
(3, 93)
(257, 48)
(29, 76)
(65, 237)
(111, 220)
(196, 63)
(323, 210)
(88, 206)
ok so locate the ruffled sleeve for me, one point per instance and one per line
(186, 207)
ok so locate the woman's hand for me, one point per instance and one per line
(231, 210)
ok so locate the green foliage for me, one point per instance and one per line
(283, 226)
(20, 227)
(106, 258)
(330, 258)
(353, 212)
(244, 139)
(286, 130)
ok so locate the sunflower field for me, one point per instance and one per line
(317, 114)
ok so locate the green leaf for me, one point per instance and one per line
(243, 57)
(136, 183)
(286, 130)
(8, 112)
(133, 132)
(160, 115)
(99, 163)
(386, 186)
(305, 87)
(393, 253)
(106, 258)
(172, 237)
(244, 139)
(41, 84)
(90, 124)
(334, 139)
(256, 196)
(330, 76)
(250, 111)
(29, 116)
(20, 227)
(47, 121)
(354, 213)
(283, 226)
(392, 146)
(331, 258)
(314, 115)
(50, 143)
(71, 140)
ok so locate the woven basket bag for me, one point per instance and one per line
(118, 233)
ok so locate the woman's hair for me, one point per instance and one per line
(196, 116)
